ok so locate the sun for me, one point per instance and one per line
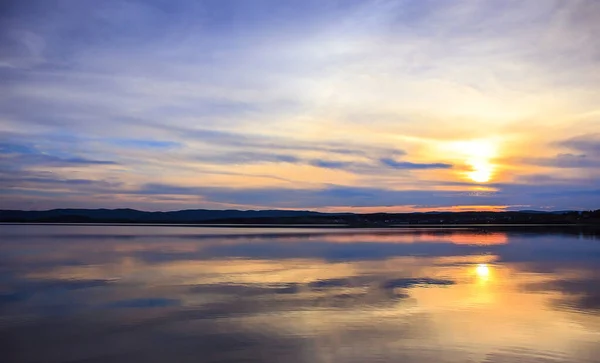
(478, 155)
(482, 270)
(482, 171)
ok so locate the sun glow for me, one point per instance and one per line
(482, 271)
(482, 171)
(478, 155)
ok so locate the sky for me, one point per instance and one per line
(330, 105)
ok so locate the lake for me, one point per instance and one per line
(197, 294)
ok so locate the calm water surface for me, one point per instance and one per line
(177, 294)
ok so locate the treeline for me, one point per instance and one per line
(401, 219)
(203, 216)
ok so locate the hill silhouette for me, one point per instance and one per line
(294, 217)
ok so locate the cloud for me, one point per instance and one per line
(582, 152)
(13, 148)
(144, 303)
(38, 182)
(566, 161)
(408, 165)
(267, 143)
(556, 195)
(410, 282)
(21, 156)
(249, 157)
(333, 195)
(49, 160)
(578, 293)
(145, 144)
(588, 144)
(330, 164)
(150, 92)
(548, 195)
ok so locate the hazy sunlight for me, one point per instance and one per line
(482, 271)
(478, 155)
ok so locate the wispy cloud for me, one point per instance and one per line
(408, 165)
(144, 144)
(588, 144)
(302, 95)
(19, 156)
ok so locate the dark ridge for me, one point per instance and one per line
(297, 217)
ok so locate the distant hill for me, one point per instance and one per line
(296, 217)
(136, 216)
(552, 212)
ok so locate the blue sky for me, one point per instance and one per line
(331, 105)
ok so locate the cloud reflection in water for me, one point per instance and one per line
(301, 296)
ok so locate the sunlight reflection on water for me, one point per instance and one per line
(112, 293)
